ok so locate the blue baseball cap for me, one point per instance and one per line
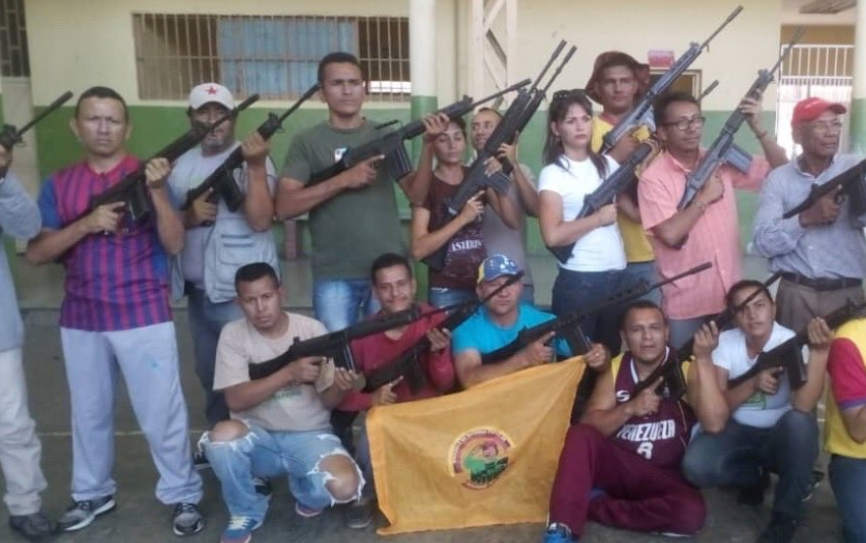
(496, 266)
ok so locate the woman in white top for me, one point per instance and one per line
(594, 270)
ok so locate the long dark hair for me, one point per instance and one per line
(553, 148)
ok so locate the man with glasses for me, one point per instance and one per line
(707, 229)
(822, 251)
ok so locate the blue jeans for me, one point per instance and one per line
(637, 273)
(736, 456)
(442, 297)
(848, 479)
(365, 463)
(272, 454)
(578, 291)
(337, 302)
(206, 321)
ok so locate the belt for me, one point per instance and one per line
(822, 284)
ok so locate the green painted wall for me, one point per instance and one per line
(154, 126)
(858, 125)
(1, 109)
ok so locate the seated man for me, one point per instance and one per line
(497, 324)
(280, 424)
(845, 429)
(760, 425)
(620, 465)
(395, 288)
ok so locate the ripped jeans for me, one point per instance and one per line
(264, 453)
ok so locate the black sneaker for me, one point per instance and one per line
(780, 530)
(34, 527)
(81, 514)
(263, 486)
(359, 515)
(754, 495)
(199, 460)
(186, 519)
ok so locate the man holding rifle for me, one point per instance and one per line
(821, 251)
(760, 425)
(280, 424)
(620, 465)
(115, 315)
(617, 81)
(395, 288)
(353, 215)
(217, 240)
(707, 229)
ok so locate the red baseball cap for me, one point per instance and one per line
(811, 108)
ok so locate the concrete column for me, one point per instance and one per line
(858, 94)
(422, 59)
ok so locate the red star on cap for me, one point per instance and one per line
(211, 90)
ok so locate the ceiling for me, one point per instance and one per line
(792, 12)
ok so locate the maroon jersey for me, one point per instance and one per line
(662, 437)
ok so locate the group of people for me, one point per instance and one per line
(631, 459)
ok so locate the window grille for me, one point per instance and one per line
(274, 56)
(14, 61)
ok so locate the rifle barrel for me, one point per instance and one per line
(63, 98)
(727, 21)
(547, 66)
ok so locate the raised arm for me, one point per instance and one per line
(703, 391)
(169, 226)
(258, 201)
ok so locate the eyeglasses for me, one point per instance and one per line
(684, 124)
(826, 127)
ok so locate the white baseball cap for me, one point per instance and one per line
(211, 92)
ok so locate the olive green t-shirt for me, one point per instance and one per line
(353, 228)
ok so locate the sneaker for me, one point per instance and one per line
(359, 515)
(81, 514)
(307, 512)
(186, 519)
(263, 486)
(199, 459)
(558, 533)
(34, 527)
(240, 530)
(754, 495)
(780, 530)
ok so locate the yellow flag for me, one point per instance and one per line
(484, 456)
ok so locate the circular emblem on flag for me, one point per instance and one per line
(479, 456)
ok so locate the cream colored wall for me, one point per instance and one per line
(86, 42)
(748, 44)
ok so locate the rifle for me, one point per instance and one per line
(131, 189)
(723, 150)
(397, 162)
(851, 181)
(222, 180)
(674, 384)
(406, 363)
(789, 354)
(11, 136)
(615, 183)
(639, 110)
(514, 120)
(708, 90)
(568, 322)
(336, 344)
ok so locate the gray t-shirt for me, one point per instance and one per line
(352, 229)
(500, 239)
(296, 408)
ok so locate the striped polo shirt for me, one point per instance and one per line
(113, 282)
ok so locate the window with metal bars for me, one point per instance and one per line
(274, 56)
(14, 61)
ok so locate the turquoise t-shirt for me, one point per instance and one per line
(480, 333)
